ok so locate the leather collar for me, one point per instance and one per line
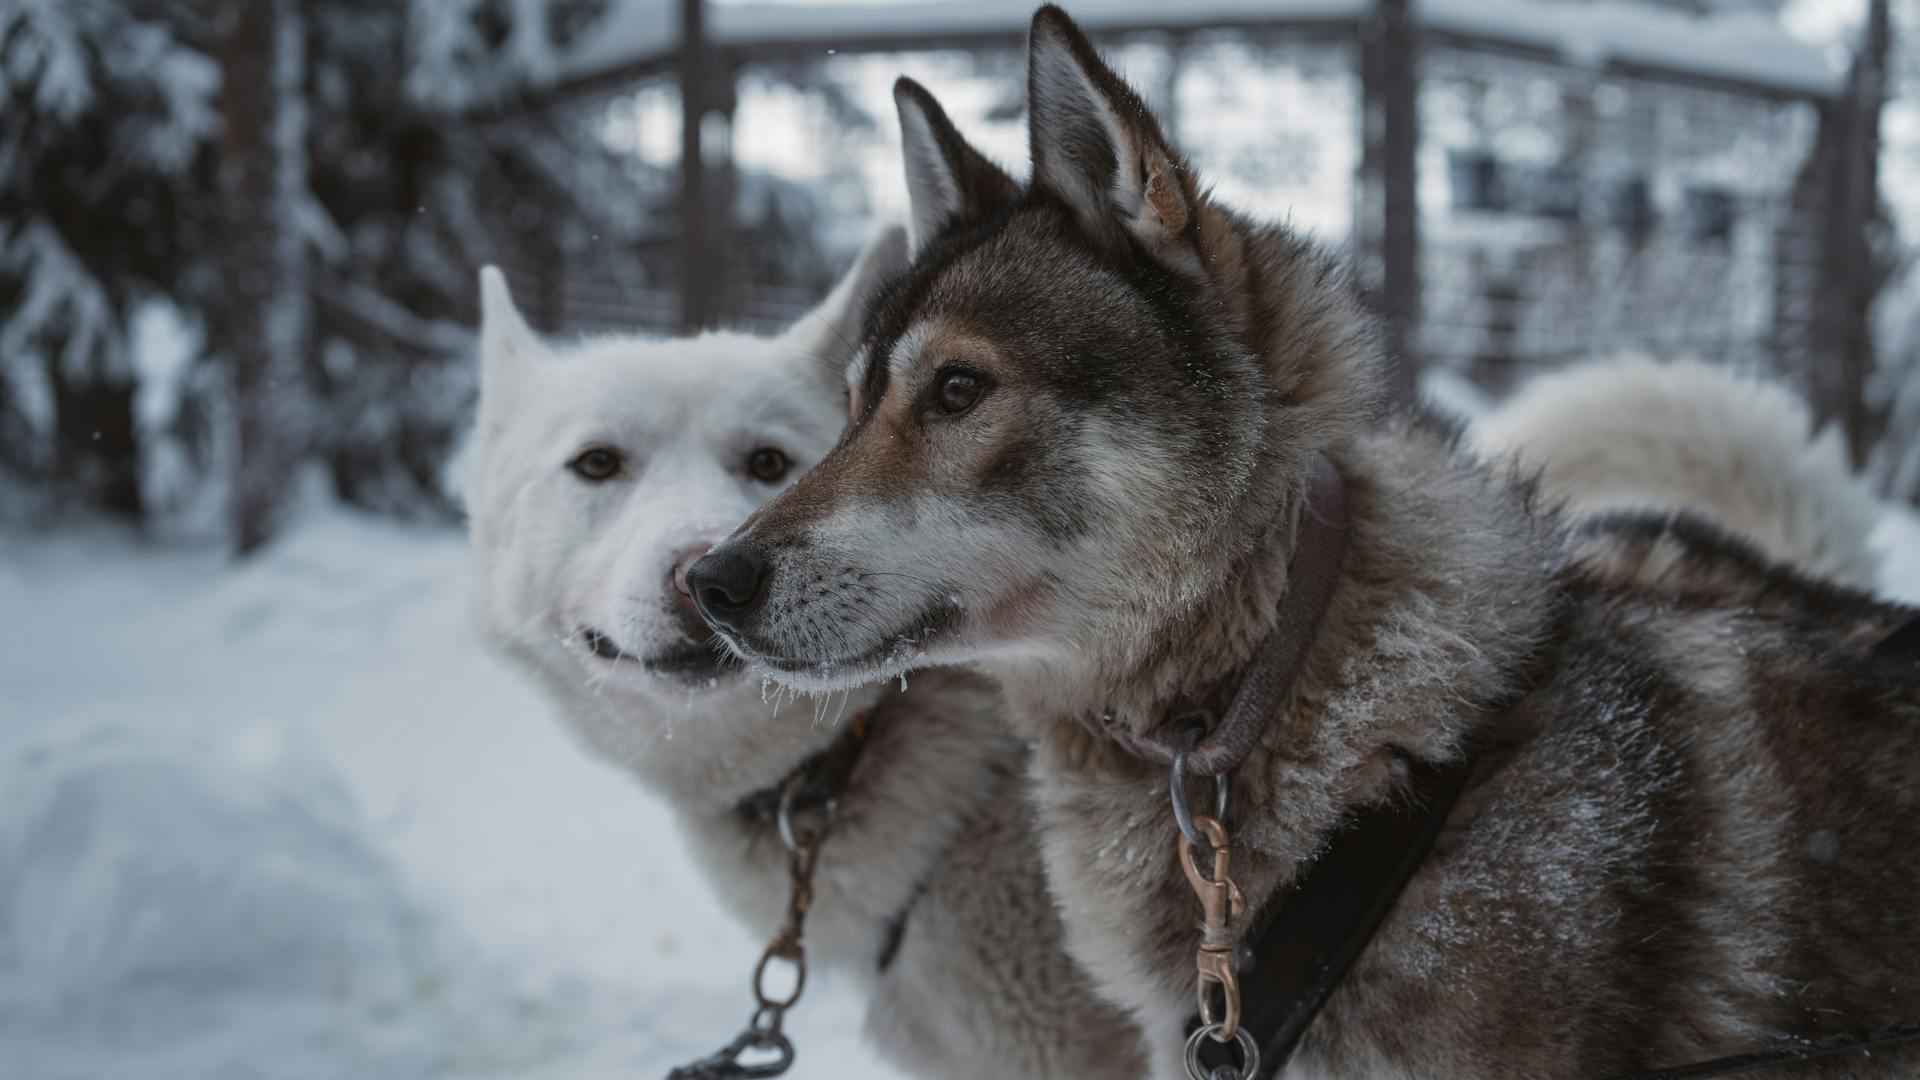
(823, 775)
(1267, 678)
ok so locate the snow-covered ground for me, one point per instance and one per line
(290, 821)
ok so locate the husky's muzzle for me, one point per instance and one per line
(728, 586)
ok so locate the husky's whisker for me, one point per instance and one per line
(852, 346)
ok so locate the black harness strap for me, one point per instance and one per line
(896, 931)
(1897, 657)
(823, 775)
(1305, 938)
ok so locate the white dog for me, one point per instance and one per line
(602, 471)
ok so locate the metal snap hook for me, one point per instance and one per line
(1221, 902)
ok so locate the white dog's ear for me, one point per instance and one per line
(829, 334)
(948, 181)
(507, 344)
(1095, 146)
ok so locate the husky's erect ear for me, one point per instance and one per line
(1095, 145)
(948, 181)
(829, 334)
(507, 344)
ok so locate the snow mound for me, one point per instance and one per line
(289, 821)
(159, 893)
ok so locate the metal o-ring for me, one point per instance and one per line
(1182, 815)
(1242, 1041)
(790, 838)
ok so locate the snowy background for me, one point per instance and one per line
(280, 815)
(290, 821)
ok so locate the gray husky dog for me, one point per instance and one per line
(602, 471)
(1089, 423)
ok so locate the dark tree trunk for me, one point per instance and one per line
(264, 313)
(96, 458)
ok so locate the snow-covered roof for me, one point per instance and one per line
(1746, 47)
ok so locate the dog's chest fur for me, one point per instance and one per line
(1693, 823)
(932, 860)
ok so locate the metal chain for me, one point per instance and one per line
(763, 1034)
(1221, 902)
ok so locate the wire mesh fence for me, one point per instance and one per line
(1570, 213)
(1564, 209)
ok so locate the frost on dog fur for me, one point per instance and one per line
(1633, 434)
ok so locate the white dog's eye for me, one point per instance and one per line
(768, 465)
(595, 463)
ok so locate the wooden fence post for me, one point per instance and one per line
(696, 271)
(1842, 356)
(1393, 141)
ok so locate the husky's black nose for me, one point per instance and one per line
(727, 585)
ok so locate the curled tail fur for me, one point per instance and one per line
(1634, 434)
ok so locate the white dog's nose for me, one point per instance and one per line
(684, 562)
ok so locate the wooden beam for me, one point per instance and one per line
(614, 78)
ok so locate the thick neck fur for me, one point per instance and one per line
(1441, 553)
(1445, 599)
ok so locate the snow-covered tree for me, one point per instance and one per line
(419, 178)
(111, 200)
(106, 109)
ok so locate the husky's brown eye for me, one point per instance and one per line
(957, 391)
(595, 463)
(768, 465)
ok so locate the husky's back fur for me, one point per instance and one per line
(601, 471)
(1083, 425)
(1631, 434)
